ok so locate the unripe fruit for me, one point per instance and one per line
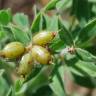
(13, 50)
(42, 38)
(25, 66)
(40, 54)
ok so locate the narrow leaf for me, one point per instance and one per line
(85, 55)
(41, 79)
(57, 84)
(63, 4)
(93, 1)
(1, 72)
(87, 33)
(37, 23)
(3, 86)
(51, 23)
(57, 44)
(51, 5)
(82, 68)
(64, 34)
(81, 9)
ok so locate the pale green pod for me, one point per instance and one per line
(41, 55)
(42, 38)
(13, 50)
(26, 64)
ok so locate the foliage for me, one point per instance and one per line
(72, 48)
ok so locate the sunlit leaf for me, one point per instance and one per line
(87, 33)
(85, 55)
(64, 34)
(19, 35)
(57, 84)
(38, 23)
(51, 5)
(5, 17)
(21, 20)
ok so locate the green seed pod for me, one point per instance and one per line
(40, 54)
(42, 38)
(26, 65)
(13, 50)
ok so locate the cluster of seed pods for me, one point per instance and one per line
(36, 53)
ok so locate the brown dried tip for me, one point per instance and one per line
(54, 33)
(71, 50)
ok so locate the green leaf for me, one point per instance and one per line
(37, 23)
(81, 9)
(64, 34)
(43, 91)
(21, 20)
(88, 68)
(57, 44)
(2, 34)
(5, 36)
(1, 72)
(87, 33)
(84, 73)
(93, 1)
(6, 65)
(63, 4)
(5, 17)
(3, 86)
(82, 68)
(87, 82)
(19, 35)
(41, 79)
(57, 84)
(85, 55)
(51, 23)
(18, 84)
(94, 8)
(51, 5)
(11, 92)
(32, 74)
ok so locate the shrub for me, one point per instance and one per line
(42, 65)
